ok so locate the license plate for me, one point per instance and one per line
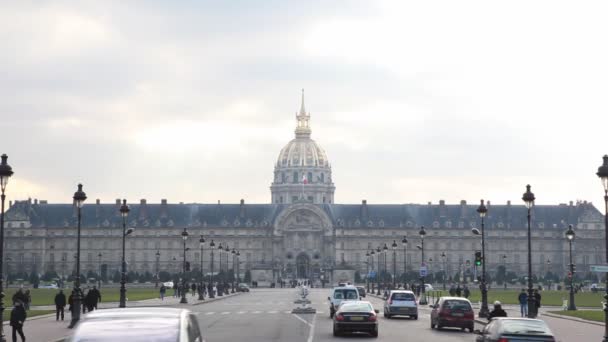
(356, 318)
(458, 314)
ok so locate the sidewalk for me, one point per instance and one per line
(46, 329)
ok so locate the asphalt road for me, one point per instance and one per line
(265, 315)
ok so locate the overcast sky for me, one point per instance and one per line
(413, 101)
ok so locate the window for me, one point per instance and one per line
(309, 177)
(322, 178)
(283, 177)
(310, 198)
(295, 176)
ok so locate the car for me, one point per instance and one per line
(428, 287)
(341, 294)
(515, 329)
(356, 316)
(48, 286)
(361, 290)
(138, 325)
(401, 302)
(242, 287)
(168, 284)
(452, 312)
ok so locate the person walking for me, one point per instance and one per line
(193, 287)
(60, 302)
(452, 290)
(19, 296)
(28, 299)
(523, 303)
(163, 290)
(498, 311)
(466, 292)
(537, 298)
(458, 291)
(18, 316)
(94, 299)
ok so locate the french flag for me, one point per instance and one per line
(304, 179)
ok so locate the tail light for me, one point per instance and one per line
(503, 340)
(372, 318)
(469, 315)
(444, 312)
(339, 317)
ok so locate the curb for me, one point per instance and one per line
(576, 319)
(216, 298)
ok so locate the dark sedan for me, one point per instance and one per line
(356, 316)
(515, 329)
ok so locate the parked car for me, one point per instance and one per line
(138, 325)
(361, 290)
(515, 329)
(452, 312)
(341, 294)
(401, 302)
(356, 316)
(48, 286)
(242, 287)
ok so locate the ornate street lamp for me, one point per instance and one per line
(124, 212)
(79, 198)
(445, 269)
(367, 269)
(185, 238)
(238, 266)
(385, 252)
(404, 243)
(211, 247)
(483, 312)
(602, 172)
(371, 254)
(394, 246)
(528, 199)
(220, 281)
(504, 261)
(201, 294)
(157, 268)
(99, 278)
(233, 255)
(422, 233)
(570, 237)
(378, 251)
(5, 173)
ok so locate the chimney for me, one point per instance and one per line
(463, 209)
(118, 202)
(364, 212)
(10, 204)
(44, 202)
(163, 208)
(35, 201)
(143, 209)
(242, 208)
(442, 209)
(97, 208)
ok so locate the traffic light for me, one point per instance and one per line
(477, 258)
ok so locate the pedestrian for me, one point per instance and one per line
(71, 303)
(59, 305)
(94, 299)
(85, 301)
(466, 292)
(19, 296)
(498, 311)
(193, 289)
(537, 298)
(28, 299)
(458, 291)
(452, 290)
(163, 289)
(18, 316)
(523, 303)
(175, 292)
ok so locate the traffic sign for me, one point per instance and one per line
(372, 274)
(423, 271)
(599, 268)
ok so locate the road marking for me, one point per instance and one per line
(225, 312)
(210, 313)
(312, 328)
(272, 312)
(287, 312)
(256, 312)
(241, 312)
(303, 320)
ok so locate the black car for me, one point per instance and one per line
(515, 329)
(361, 291)
(356, 316)
(242, 287)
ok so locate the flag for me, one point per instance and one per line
(304, 179)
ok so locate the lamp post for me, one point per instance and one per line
(602, 172)
(157, 268)
(385, 252)
(79, 198)
(124, 212)
(528, 199)
(99, 278)
(238, 266)
(185, 238)
(445, 269)
(211, 247)
(483, 312)
(367, 270)
(378, 251)
(422, 233)
(404, 243)
(220, 281)
(570, 237)
(5, 173)
(201, 291)
(394, 246)
(504, 261)
(233, 274)
(372, 252)
(227, 252)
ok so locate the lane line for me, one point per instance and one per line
(241, 312)
(303, 320)
(312, 328)
(272, 312)
(256, 312)
(209, 313)
(225, 312)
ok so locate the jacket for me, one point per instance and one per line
(60, 300)
(523, 298)
(18, 316)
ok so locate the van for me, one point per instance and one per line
(340, 294)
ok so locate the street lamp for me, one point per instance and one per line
(422, 233)
(79, 198)
(367, 270)
(124, 212)
(570, 237)
(211, 247)
(394, 245)
(201, 294)
(385, 252)
(602, 172)
(404, 243)
(99, 278)
(185, 238)
(372, 252)
(528, 199)
(445, 269)
(483, 312)
(5, 173)
(504, 261)
(157, 268)
(378, 251)
(238, 266)
(233, 255)
(220, 280)
(227, 252)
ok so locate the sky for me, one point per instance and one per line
(413, 101)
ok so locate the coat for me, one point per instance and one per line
(18, 316)
(60, 300)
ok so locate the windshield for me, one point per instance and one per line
(356, 307)
(346, 294)
(521, 326)
(403, 296)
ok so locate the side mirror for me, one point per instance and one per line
(376, 311)
(328, 298)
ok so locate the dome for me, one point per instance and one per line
(302, 152)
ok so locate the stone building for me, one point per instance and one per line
(302, 233)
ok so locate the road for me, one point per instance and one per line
(265, 315)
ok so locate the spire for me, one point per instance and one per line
(302, 118)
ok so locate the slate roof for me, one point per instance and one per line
(263, 215)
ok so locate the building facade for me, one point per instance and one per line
(302, 233)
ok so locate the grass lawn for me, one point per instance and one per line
(592, 315)
(32, 313)
(47, 296)
(553, 298)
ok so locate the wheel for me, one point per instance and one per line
(432, 325)
(374, 333)
(415, 317)
(331, 313)
(336, 331)
(439, 326)
(471, 329)
(462, 329)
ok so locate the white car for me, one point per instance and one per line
(49, 286)
(168, 284)
(428, 287)
(340, 294)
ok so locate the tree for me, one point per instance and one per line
(164, 276)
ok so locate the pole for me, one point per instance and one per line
(445, 272)
(123, 267)
(3, 198)
(571, 305)
(77, 295)
(531, 304)
(404, 266)
(423, 300)
(483, 312)
(99, 278)
(211, 294)
(394, 267)
(367, 273)
(378, 276)
(184, 300)
(157, 268)
(201, 295)
(385, 272)
(606, 295)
